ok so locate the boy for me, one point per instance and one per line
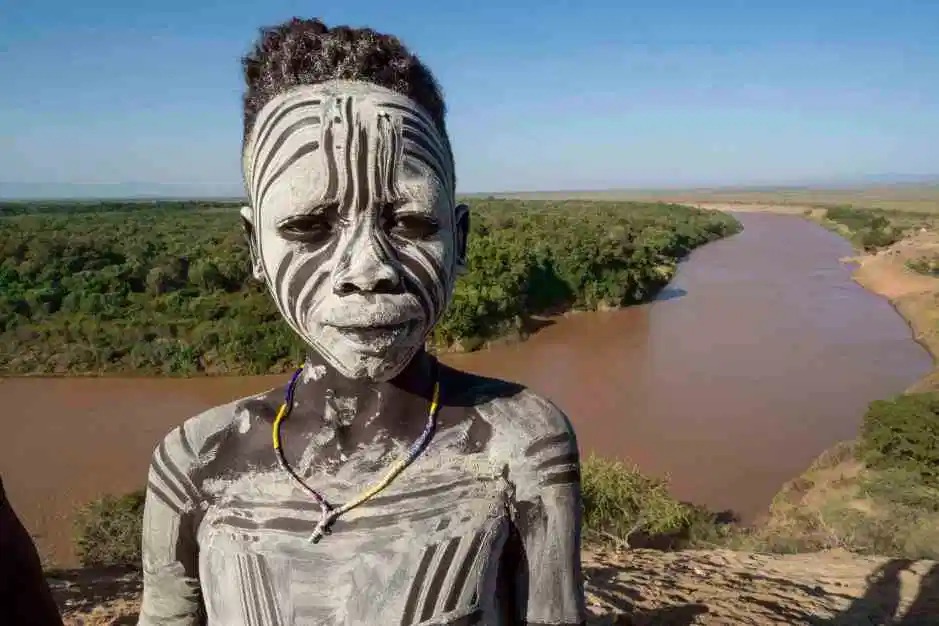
(380, 486)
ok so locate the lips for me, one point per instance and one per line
(374, 338)
(363, 311)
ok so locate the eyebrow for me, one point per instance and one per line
(320, 207)
(417, 210)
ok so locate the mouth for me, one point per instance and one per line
(375, 339)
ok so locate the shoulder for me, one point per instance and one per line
(522, 420)
(196, 441)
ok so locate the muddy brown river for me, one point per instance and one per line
(761, 354)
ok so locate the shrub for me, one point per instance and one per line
(903, 433)
(623, 505)
(927, 265)
(108, 530)
(870, 228)
(874, 238)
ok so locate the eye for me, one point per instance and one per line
(412, 225)
(311, 228)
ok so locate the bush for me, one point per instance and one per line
(874, 238)
(108, 531)
(903, 434)
(624, 506)
(869, 228)
(926, 265)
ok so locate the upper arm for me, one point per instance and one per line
(547, 524)
(25, 597)
(172, 593)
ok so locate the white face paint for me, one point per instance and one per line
(353, 219)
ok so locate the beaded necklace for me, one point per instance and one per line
(328, 512)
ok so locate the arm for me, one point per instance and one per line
(24, 595)
(171, 591)
(544, 552)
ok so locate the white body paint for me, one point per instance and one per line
(430, 551)
(353, 149)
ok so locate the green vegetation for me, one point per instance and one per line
(627, 508)
(163, 288)
(868, 228)
(929, 266)
(872, 229)
(108, 530)
(903, 434)
(878, 495)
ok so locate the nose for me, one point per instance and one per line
(367, 270)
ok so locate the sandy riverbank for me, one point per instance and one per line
(915, 296)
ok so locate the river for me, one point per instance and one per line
(759, 355)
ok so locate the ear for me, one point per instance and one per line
(462, 219)
(247, 223)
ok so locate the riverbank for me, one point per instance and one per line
(914, 295)
(841, 500)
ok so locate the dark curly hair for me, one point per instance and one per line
(307, 52)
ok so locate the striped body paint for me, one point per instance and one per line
(354, 229)
(354, 225)
(485, 530)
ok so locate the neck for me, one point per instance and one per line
(364, 409)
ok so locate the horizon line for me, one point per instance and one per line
(927, 181)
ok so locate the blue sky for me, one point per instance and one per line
(542, 95)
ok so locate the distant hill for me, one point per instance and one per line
(118, 191)
(905, 184)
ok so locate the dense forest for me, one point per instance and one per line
(163, 288)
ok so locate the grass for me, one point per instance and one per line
(625, 507)
(927, 266)
(876, 495)
(108, 530)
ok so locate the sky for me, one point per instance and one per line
(542, 95)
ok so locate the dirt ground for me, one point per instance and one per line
(739, 207)
(647, 587)
(915, 295)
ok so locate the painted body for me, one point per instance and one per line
(481, 529)
(354, 228)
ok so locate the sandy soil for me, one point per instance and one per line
(752, 207)
(915, 296)
(662, 588)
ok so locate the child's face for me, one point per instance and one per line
(353, 222)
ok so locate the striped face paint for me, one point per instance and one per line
(353, 224)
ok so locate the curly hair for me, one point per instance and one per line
(307, 52)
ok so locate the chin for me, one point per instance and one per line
(357, 362)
